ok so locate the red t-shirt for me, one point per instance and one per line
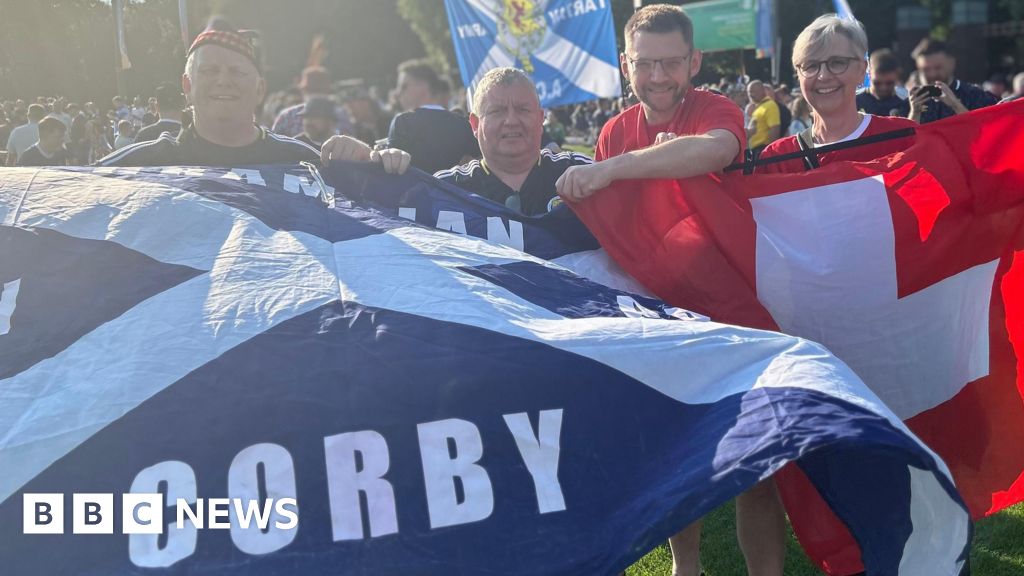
(700, 112)
(866, 153)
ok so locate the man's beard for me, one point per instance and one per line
(677, 97)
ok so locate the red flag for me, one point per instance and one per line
(910, 268)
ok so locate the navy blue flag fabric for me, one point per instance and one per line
(434, 403)
(558, 236)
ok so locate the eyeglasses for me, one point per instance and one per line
(668, 65)
(836, 65)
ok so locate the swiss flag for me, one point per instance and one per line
(910, 268)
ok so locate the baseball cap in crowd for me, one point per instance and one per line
(319, 108)
(315, 80)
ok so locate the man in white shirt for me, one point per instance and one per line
(24, 136)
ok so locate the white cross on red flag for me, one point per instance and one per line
(909, 268)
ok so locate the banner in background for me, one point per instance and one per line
(566, 46)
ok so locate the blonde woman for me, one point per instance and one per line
(828, 56)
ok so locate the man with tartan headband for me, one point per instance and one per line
(224, 84)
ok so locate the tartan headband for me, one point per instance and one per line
(231, 40)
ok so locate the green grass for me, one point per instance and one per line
(998, 548)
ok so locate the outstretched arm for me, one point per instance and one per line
(676, 158)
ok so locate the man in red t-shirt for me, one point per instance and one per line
(677, 132)
(700, 131)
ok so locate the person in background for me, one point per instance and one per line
(881, 98)
(435, 137)
(319, 121)
(996, 86)
(125, 134)
(169, 103)
(785, 116)
(96, 131)
(1018, 89)
(941, 95)
(765, 123)
(24, 136)
(554, 129)
(802, 119)
(49, 150)
(78, 146)
(315, 83)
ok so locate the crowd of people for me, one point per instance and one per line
(507, 148)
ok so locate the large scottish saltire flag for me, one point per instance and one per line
(566, 46)
(433, 403)
(909, 268)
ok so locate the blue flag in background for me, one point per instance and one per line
(566, 46)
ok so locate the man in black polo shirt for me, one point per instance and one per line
(49, 150)
(435, 137)
(881, 99)
(508, 122)
(169, 104)
(935, 65)
(224, 84)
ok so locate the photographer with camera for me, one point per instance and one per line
(941, 95)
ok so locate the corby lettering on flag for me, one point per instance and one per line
(566, 46)
(434, 403)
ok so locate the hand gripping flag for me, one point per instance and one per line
(566, 46)
(432, 402)
(909, 268)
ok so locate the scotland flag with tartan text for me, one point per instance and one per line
(435, 403)
(566, 46)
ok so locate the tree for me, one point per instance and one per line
(429, 20)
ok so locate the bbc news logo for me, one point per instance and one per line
(144, 513)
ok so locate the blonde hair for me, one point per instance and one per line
(817, 35)
(494, 78)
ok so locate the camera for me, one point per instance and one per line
(930, 90)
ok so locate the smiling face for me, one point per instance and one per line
(509, 125)
(936, 67)
(223, 86)
(826, 91)
(659, 68)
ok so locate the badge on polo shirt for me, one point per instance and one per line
(554, 203)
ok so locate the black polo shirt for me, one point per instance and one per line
(538, 190)
(35, 157)
(970, 95)
(435, 138)
(891, 106)
(189, 149)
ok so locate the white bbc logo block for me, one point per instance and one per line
(93, 514)
(42, 513)
(142, 513)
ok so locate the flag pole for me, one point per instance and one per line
(183, 19)
(120, 55)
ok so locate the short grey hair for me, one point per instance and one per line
(817, 35)
(495, 78)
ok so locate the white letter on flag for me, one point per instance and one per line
(441, 468)
(346, 479)
(244, 484)
(540, 454)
